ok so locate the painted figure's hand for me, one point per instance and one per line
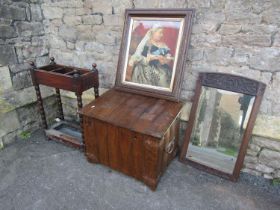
(151, 57)
(163, 60)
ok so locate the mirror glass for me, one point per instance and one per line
(217, 133)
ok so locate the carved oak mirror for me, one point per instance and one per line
(222, 117)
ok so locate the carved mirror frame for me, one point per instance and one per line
(232, 83)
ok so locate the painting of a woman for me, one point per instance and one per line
(153, 51)
(152, 60)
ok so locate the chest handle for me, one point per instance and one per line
(170, 147)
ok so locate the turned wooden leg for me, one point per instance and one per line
(58, 99)
(80, 105)
(41, 107)
(96, 92)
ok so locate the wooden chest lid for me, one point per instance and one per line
(141, 114)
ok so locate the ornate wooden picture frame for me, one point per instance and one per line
(153, 51)
(224, 83)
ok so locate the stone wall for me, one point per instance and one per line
(22, 38)
(235, 36)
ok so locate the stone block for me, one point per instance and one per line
(218, 4)
(190, 77)
(56, 22)
(254, 147)
(267, 176)
(66, 4)
(267, 143)
(143, 4)
(52, 12)
(69, 12)
(240, 40)
(266, 59)
(10, 137)
(42, 60)
(72, 20)
(7, 55)
(28, 52)
(118, 8)
(80, 45)
(83, 11)
(25, 96)
(271, 16)
(251, 171)
(275, 111)
(242, 17)
(5, 105)
(5, 79)
(241, 56)
(86, 59)
(21, 80)
(228, 29)
(186, 95)
(277, 174)
(8, 122)
(36, 13)
(250, 152)
(99, 6)
(70, 45)
(276, 42)
(15, 68)
(40, 41)
(173, 3)
(107, 37)
(94, 47)
(28, 114)
(7, 32)
(250, 159)
(264, 169)
(270, 158)
(30, 29)
(195, 54)
(206, 15)
(68, 33)
(13, 13)
(92, 20)
(28, 14)
(205, 40)
(185, 114)
(85, 33)
(1, 144)
(56, 42)
(266, 107)
(219, 56)
(205, 27)
(113, 20)
(63, 57)
(259, 29)
(250, 165)
(199, 4)
(267, 126)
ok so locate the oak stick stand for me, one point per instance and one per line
(68, 78)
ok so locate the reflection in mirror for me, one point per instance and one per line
(221, 120)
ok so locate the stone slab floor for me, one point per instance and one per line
(40, 174)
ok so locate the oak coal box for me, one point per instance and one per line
(134, 134)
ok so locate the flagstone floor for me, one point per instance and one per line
(40, 174)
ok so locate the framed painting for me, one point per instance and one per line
(153, 52)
